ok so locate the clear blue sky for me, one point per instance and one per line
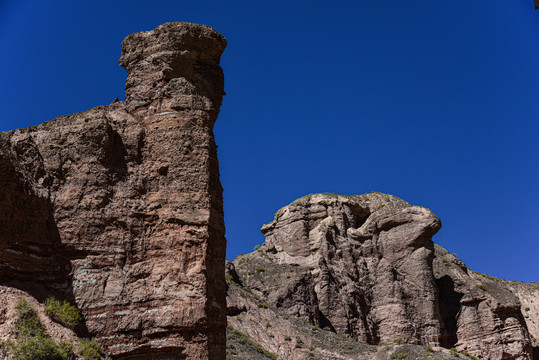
(436, 102)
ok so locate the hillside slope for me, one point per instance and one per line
(365, 266)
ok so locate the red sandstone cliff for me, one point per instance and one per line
(119, 208)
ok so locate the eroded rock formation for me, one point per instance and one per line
(366, 266)
(481, 315)
(371, 263)
(119, 208)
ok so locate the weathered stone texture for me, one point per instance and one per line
(366, 266)
(481, 314)
(120, 207)
(370, 264)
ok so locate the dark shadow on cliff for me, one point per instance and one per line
(449, 304)
(32, 256)
(116, 156)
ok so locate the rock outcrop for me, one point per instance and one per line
(119, 208)
(370, 264)
(365, 266)
(481, 314)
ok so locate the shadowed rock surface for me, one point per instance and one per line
(365, 266)
(119, 208)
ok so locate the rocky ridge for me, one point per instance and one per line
(119, 208)
(365, 266)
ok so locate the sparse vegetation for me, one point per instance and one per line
(31, 339)
(400, 355)
(470, 356)
(287, 338)
(398, 341)
(446, 261)
(429, 350)
(481, 286)
(527, 309)
(260, 269)
(244, 339)
(262, 305)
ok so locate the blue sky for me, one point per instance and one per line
(435, 102)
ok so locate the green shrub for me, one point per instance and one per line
(428, 350)
(260, 269)
(262, 305)
(32, 341)
(28, 323)
(62, 312)
(42, 348)
(481, 286)
(287, 338)
(470, 356)
(396, 356)
(527, 308)
(90, 349)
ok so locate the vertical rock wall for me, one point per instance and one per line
(119, 208)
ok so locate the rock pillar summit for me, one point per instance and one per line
(119, 208)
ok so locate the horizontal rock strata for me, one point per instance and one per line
(119, 208)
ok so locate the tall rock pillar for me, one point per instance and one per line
(119, 208)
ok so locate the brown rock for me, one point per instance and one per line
(120, 207)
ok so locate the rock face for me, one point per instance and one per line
(365, 266)
(119, 208)
(481, 314)
(370, 261)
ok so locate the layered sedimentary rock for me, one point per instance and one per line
(366, 266)
(119, 208)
